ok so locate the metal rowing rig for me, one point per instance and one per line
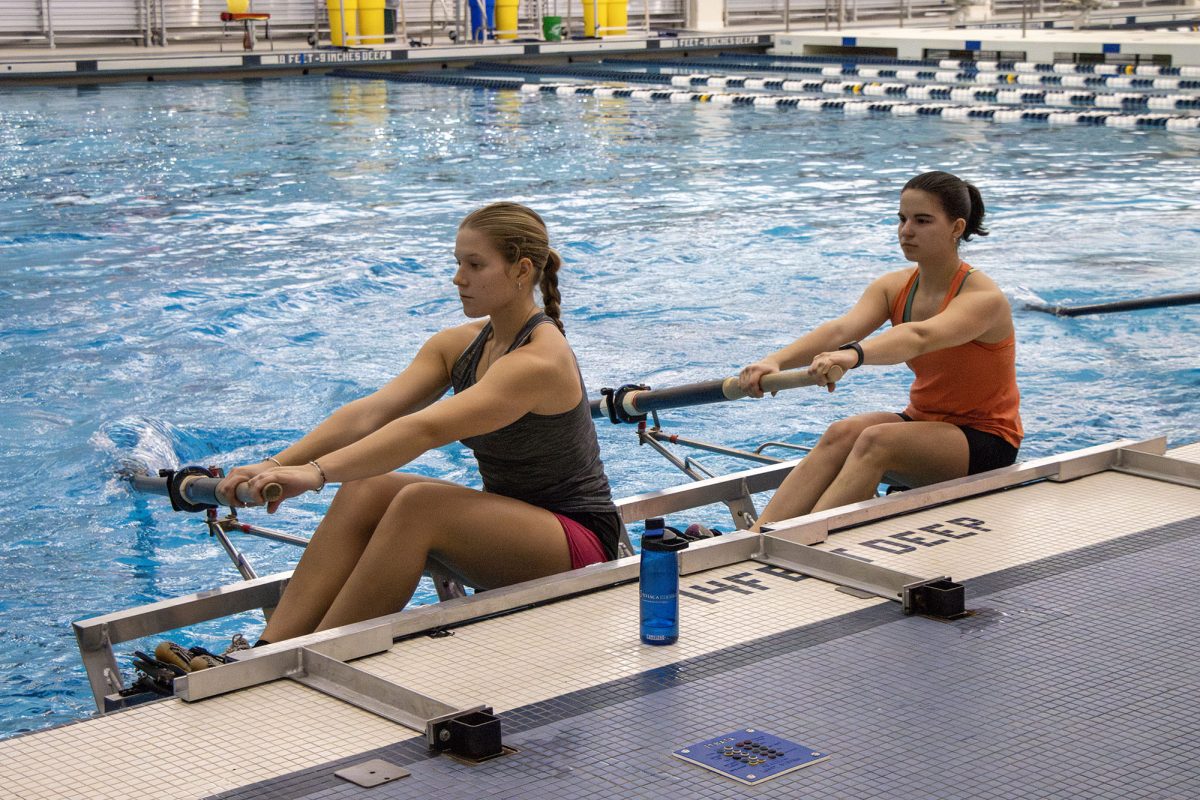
(318, 660)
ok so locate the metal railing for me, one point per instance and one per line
(835, 13)
(160, 22)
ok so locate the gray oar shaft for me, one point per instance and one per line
(1164, 301)
(694, 394)
(203, 491)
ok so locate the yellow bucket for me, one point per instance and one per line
(591, 10)
(506, 19)
(618, 17)
(238, 6)
(370, 21)
(337, 10)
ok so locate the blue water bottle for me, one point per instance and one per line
(659, 583)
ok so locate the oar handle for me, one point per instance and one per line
(192, 491)
(270, 493)
(203, 491)
(778, 381)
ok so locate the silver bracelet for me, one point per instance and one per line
(273, 460)
(324, 480)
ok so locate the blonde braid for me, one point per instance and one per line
(551, 299)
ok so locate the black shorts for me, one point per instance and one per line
(986, 450)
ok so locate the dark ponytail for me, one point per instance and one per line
(959, 199)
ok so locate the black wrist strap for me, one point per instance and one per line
(857, 348)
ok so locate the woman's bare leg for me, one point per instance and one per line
(333, 552)
(487, 539)
(918, 453)
(805, 484)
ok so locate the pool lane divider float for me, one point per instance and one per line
(1116, 100)
(861, 107)
(930, 72)
(1124, 101)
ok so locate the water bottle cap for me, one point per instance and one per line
(655, 523)
(666, 542)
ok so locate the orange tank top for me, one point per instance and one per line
(973, 384)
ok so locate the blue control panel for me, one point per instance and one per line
(750, 756)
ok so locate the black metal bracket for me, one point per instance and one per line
(474, 735)
(211, 515)
(943, 598)
(615, 405)
(175, 478)
(129, 698)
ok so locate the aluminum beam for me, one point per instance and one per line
(1159, 468)
(369, 692)
(327, 672)
(842, 570)
(262, 664)
(701, 493)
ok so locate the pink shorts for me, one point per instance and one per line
(583, 545)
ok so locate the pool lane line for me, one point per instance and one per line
(878, 107)
(929, 73)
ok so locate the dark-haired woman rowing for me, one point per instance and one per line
(953, 327)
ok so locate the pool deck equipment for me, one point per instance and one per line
(1070, 670)
(1120, 48)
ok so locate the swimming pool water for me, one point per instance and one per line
(199, 272)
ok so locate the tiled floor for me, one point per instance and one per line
(543, 667)
(1189, 452)
(1074, 678)
(173, 749)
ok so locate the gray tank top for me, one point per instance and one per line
(548, 460)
